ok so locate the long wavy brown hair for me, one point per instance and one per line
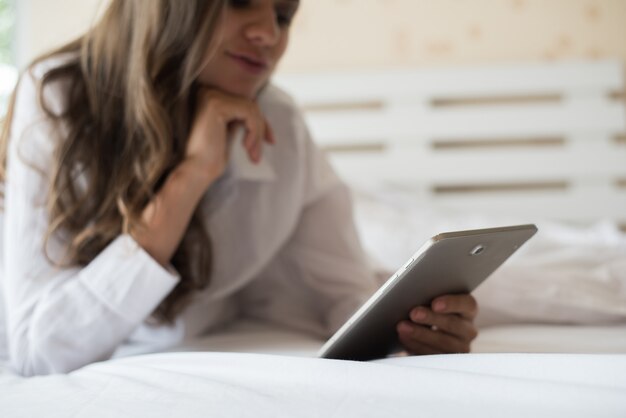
(128, 112)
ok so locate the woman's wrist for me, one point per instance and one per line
(166, 217)
(196, 174)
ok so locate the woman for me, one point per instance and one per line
(125, 220)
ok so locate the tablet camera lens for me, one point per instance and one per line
(477, 250)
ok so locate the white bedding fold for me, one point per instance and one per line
(253, 385)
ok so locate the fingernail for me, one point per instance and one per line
(404, 327)
(419, 314)
(439, 305)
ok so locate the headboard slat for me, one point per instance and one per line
(404, 122)
(543, 140)
(497, 80)
(402, 164)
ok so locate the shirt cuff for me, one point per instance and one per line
(128, 280)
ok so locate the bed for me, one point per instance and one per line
(254, 369)
(428, 151)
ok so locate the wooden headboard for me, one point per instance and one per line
(534, 141)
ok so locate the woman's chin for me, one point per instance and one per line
(243, 90)
(248, 92)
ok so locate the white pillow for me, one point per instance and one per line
(566, 275)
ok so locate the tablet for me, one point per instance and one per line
(449, 263)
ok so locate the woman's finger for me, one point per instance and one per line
(252, 133)
(234, 109)
(260, 123)
(414, 334)
(464, 305)
(228, 110)
(413, 346)
(269, 134)
(452, 324)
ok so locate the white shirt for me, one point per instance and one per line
(285, 250)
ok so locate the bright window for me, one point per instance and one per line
(8, 74)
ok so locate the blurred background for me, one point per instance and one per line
(352, 34)
(342, 34)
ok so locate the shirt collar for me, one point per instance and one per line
(244, 169)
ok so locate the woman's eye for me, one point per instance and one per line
(284, 19)
(285, 13)
(239, 3)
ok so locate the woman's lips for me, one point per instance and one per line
(249, 64)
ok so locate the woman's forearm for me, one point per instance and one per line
(167, 216)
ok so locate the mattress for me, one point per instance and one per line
(259, 385)
(255, 369)
(257, 337)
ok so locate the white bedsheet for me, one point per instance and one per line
(257, 385)
(270, 372)
(257, 337)
(551, 339)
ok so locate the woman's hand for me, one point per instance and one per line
(217, 114)
(166, 217)
(445, 327)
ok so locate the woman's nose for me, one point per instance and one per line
(264, 29)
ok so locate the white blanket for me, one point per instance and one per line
(291, 383)
(256, 385)
(565, 274)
